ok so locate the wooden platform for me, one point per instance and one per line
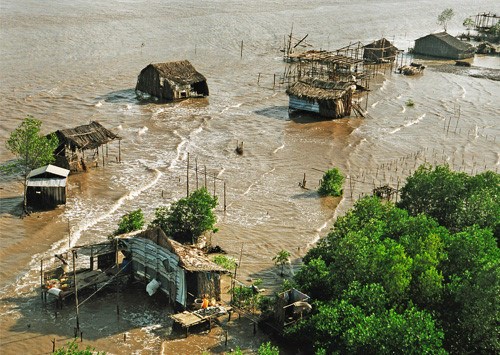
(188, 319)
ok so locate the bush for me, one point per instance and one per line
(130, 222)
(332, 183)
(226, 262)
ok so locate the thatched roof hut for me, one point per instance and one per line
(380, 51)
(74, 141)
(170, 81)
(443, 45)
(328, 98)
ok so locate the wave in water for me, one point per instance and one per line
(408, 124)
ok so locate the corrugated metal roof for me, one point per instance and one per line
(47, 182)
(50, 169)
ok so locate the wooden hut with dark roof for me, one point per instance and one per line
(74, 142)
(443, 45)
(171, 81)
(380, 51)
(330, 99)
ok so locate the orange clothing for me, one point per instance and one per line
(205, 303)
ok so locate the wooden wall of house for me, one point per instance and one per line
(45, 197)
(434, 47)
(209, 283)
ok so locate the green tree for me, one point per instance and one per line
(268, 349)
(226, 262)
(468, 24)
(32, 149)
(456, 200)
(130, 222)
(282, 259)
(331, 184)
(187, 219)
(445, 17)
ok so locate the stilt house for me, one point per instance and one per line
(443, 45)
(46, 187)
(75, 142)
(381, 51)
(171, 81)
(184, 272)
(330, 99)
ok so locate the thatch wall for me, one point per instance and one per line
(379, 51)
(170, 81)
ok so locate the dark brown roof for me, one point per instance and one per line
(88, 136)
(450, 40)
(181, 72)
(318, 89)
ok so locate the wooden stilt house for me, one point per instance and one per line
(47, 187)
(183, 272)
(171, 81)
(78, 147)
(330, 99)
(380, 51)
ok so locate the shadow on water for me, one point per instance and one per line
(276, 112)
(120, 97)
(98, 317)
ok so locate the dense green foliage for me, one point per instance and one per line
(32, 149)
(385, 281)
(331, 184)
(268, 349)
(456, 200)
(187, 219)
(130, 222)
(226, 262)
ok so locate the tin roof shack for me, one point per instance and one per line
(46, 187)
(291, 306)
(171, 81)
(381, 51)
(73, 142)
(183, 272)
(329, 99)
(443, 45)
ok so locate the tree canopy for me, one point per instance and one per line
(387, 281)
(130, 222)
(456, 200)
(331, 184)
(32, 149)
(445, 17)
(188, 218)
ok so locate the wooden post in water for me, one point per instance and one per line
(241, 50)
(215, 177)
(187, 177)
(196, 170)
(76, 292)
(225, 196)
(102, 152)
(205, 175)
(119, 151)
(41, 278)
(116, 280)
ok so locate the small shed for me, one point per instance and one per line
(171, 81)
(443, 45)
(74, 142)
(331, 99)
(381, 51)
(46, 187)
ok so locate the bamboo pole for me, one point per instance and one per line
(76, 293)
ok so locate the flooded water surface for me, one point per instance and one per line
(70, 62)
